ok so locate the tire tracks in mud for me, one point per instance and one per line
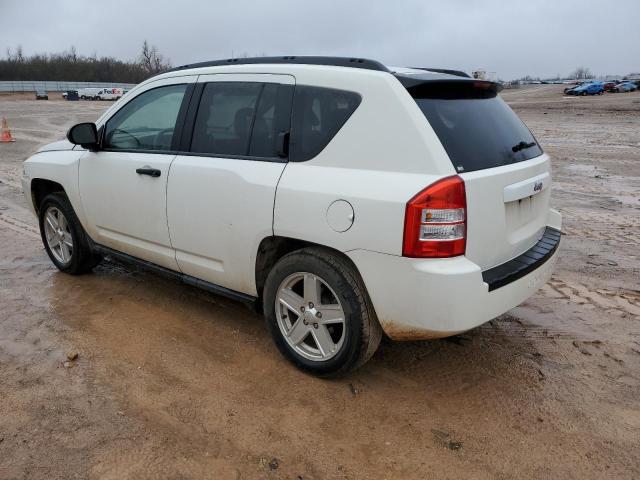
(10, 183)
(19, 226)
(621, 229)
(625, 301)
(620, 237)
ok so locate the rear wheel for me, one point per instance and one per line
(63, 236)
(319, 314)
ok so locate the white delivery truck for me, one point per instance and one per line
(88, 93)
(110, 94)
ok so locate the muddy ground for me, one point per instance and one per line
(171, 382)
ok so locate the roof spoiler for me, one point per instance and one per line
(457, 73)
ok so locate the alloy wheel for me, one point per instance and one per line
(58, 235)
(310, 316)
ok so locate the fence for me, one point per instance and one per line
(27, 86)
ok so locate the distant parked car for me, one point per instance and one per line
(41, 95)
(71, 95)
(609, 86)
(572, 86)
(625, 87)
(595, 88)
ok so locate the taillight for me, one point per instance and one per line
(435, 220)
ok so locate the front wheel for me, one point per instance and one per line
(319, 314)
(63, 236)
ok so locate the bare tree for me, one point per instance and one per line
(15, 57)
(151, 60)
(581, 73)
(71, 66)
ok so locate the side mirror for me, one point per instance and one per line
(85, 135)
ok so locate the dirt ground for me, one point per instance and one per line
(174, 383)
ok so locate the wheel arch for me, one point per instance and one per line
(40, 188)
(273, 248)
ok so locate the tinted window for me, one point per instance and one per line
(476, 127)
(225, 118)
(147, 122)
(263, 136)
(243, 119)
(318, 114)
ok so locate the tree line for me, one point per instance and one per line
(72, 67)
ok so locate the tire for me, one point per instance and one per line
(80, 257)
(351, 343)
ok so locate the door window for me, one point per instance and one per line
(237, 119)
(147, 122)
(263, 136)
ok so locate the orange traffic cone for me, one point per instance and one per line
(5, 133)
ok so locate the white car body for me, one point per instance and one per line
(207, 217)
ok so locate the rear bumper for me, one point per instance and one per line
(431, 298)
(525, 263)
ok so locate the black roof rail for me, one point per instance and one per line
(457, 73)
(298, 60)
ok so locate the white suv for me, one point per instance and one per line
(345, 198)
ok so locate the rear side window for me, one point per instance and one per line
(318, 114)
(263, 132)
(241, 119)
(475, 126)
(224, 119)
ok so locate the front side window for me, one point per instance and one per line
(318, 115)
(147, 122)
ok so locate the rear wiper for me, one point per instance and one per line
(522, 146)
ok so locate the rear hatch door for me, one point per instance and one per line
(506, 174)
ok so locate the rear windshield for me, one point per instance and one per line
(476, 127)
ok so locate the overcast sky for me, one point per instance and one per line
(512, 38)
